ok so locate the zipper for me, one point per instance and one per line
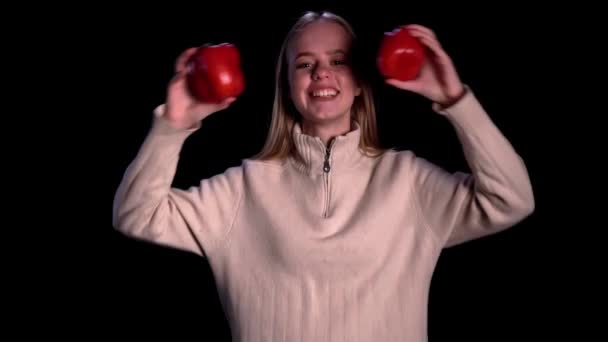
(326, 180)
(326, 164)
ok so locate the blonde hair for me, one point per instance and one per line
(279, 143)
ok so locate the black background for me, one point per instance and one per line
(502, 286)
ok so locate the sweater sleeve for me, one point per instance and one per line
(147, 207)
(497, 194)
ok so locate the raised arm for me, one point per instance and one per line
(147, 207)
(497, 194)
(460, 207)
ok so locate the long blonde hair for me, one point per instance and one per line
(279, 143)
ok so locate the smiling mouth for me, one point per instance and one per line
(324, 93)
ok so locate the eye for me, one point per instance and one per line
(338, 62)
(303, 65)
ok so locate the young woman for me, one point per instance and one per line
(324, 236)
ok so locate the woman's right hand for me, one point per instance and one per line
(184, 111)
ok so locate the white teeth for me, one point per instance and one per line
(325, 93)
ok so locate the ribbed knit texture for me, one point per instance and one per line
(301, 254)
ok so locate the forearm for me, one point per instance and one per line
(500, 175)
(144, 189)
(494, 196)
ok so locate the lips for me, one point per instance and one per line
(328, 92)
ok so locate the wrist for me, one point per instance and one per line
(182, 124)
(175, 122)
(453, 99)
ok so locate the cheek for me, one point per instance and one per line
(298, 85)
(348, 82)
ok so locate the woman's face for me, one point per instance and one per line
(322, 84)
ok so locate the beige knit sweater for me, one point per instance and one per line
(300, 254)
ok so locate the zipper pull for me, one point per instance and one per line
(326, 166)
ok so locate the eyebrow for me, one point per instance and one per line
(330, 52)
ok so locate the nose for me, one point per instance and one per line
(320, 72)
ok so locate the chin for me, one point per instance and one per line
(324, 111)
(325, 117)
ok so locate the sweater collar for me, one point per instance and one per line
(343, 151)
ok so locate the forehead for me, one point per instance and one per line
(320, 36)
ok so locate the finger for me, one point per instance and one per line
(221, 105)
(421, 28)
(440, 55)
(421, 34)
(414, 85)
(181, 61)
(229, 100)
(226, 102)
(178, 79)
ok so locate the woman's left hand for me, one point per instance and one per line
(438, 80)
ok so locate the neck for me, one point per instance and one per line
(326, 131)
(312, 156)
